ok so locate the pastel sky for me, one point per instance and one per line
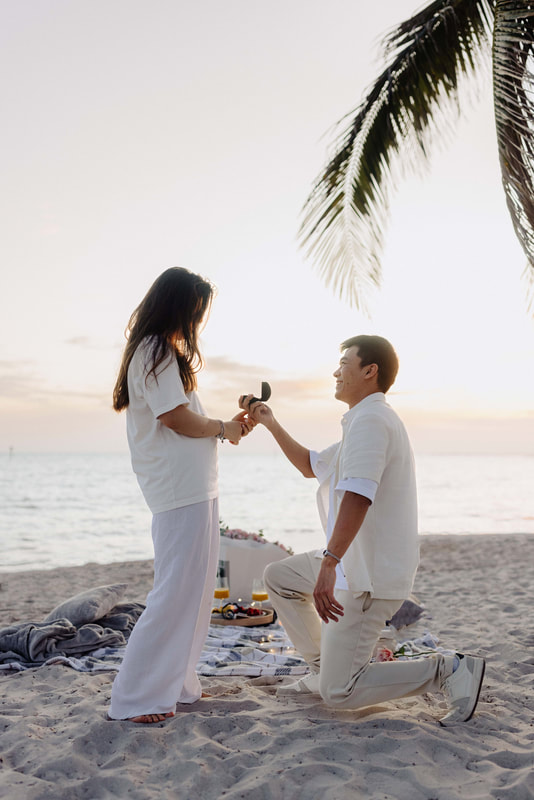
(142, 135)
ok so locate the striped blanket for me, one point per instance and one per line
(229, 650)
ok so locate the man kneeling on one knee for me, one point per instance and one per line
(334, 604)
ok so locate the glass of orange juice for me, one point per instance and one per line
(259, 593)
(222, 590)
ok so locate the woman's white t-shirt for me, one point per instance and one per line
(172, 470)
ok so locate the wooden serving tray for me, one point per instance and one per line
(264, 618)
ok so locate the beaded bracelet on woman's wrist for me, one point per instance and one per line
(221, 435)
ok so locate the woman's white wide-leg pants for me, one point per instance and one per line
(158, 669)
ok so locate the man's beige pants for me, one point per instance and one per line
(340, 651)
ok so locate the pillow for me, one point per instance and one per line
(408, 613)
(89, 605)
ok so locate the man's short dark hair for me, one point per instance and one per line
(376, 350)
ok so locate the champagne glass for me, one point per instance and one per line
(222, 590)
(259, 593)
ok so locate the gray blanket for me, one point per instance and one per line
(32, 643)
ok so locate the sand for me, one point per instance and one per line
(246, 743)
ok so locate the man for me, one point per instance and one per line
(368, 508)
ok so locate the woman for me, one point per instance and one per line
(173, 451)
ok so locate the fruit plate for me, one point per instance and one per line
(265, 618)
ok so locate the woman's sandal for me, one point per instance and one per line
(148, 719)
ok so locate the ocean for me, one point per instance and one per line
(71, 509)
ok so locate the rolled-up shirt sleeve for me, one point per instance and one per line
(363, 486)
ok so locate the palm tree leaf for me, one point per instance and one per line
(513, 83)
(390, 132)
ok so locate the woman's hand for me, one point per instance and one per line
(233, 431)
(247, 423)
(238, 426)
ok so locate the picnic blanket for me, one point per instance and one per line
(228, 651)
(94, 639)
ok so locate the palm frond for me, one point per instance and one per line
(345, 215)
(513, 84)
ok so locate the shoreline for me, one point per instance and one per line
(243, 742)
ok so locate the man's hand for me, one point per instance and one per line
(258, 411)
(326, 604)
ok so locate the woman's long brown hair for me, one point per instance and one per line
(169, 315)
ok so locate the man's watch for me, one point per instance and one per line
(328, 553)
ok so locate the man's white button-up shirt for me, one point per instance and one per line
(374, 458)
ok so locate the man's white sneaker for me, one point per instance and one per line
(463, 689)
(309, 684)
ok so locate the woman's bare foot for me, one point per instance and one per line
(147, 719)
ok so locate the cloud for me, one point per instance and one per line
(445, 433)
(90, 343)
(21, 381)
(18, 379)
(79, 341)
(233, 373)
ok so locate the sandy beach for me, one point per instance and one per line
(243, 742)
